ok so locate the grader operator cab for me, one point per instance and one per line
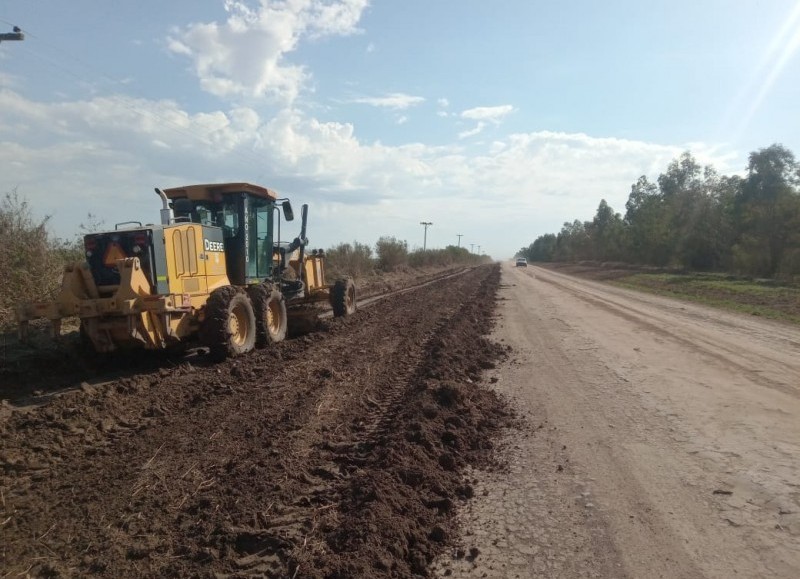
(214, 270)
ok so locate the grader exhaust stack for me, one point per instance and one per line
(166, 210)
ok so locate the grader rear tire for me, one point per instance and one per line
(229, 327)
(343, 298)
(269, 307)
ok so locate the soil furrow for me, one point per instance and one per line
(259, 466)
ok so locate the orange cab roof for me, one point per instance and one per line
(212, 192)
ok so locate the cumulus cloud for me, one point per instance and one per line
(246, 54)
(397, 101)
(472, 132)
(484, 115)
(104, 155)
(493, 114)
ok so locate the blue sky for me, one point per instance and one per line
(495, 120)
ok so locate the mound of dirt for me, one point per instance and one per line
(337, 454)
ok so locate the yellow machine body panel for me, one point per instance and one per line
(314, 273)
(195, 264)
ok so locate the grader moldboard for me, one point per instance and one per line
(215, 271)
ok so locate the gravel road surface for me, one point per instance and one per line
(662, 439)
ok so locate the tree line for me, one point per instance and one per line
(358, 260)
(696, 219)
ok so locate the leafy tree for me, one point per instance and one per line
(648, 240)
(768, 210)
(543, 249)
(572, 242)
(391, 252)
(607, 233)
(682, 191)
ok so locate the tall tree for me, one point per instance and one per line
(573, 242)
(543, 249)
(769, 209)
(648, 240)
(607, 232)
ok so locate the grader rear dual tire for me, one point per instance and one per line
(229, 327)
(343, 298)
(269, 307)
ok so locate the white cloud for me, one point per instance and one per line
(104, 155)
(472, 132)
(493, 114)
(484, 115)
(246, 54)
(402, 120)
(443, 103)
(397, 100)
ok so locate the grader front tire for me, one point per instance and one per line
(229, 327)
(343, 298)
(270, 313)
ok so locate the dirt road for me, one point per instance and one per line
(529, 425)
(664, 440)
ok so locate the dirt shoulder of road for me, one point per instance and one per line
(765, 298)
(401, 278)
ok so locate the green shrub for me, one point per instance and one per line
(392, 253)
(350, 260)
(450, 255)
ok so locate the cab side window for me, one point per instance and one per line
(228, 218)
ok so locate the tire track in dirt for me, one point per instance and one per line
(729, 355)
(319, 457)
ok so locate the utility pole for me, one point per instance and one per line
(471, 247)
(459, 235)
(16, 35)
(425, 224)
(479, 250)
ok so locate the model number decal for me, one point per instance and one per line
(213, 245)
(246, 232)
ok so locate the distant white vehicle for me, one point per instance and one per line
(522, 262)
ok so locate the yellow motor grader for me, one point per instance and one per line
(214, 271)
